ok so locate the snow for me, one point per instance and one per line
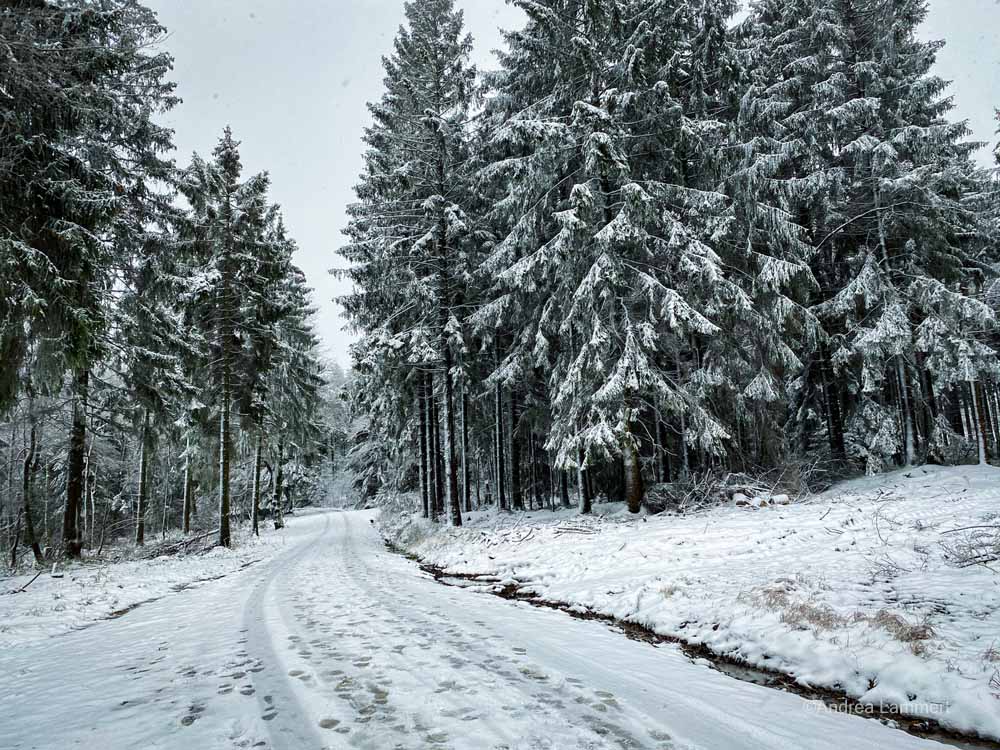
(851, 589)
(335, 642)
(77, 596)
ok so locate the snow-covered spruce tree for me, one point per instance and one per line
(261, 316)
(291, 387)
(407, 233)
(768, 252)
(224, 232)
(852, 132)
(610, 220)
(148, 349)
(911, 320)
(80, 89)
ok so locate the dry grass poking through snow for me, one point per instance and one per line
(803, 615)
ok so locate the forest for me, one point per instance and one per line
(651, 401)
(159, 370)
(663, 243)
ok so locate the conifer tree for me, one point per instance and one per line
(875, 174)
(81, 154)
(610, 217)
(408, 229)
(228, 218)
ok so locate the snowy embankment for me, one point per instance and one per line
(79, 594)
(854, 589)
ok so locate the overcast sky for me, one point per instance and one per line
(292, 78)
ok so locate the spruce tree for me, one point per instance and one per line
(408, 231)
(227, 221)
(81, 153)
(610, 217)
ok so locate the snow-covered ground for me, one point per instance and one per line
(335, 642)
(64, 598)
(852, 589)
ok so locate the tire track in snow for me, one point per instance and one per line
(285, 721)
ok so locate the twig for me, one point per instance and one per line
(971, 528)
(25, 586)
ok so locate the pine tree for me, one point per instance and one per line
(408, 228)
(81, 150)
(857, 142)
(228, 218)
(616, 284)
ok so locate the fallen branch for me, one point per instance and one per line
(25, 586)
(175, 547)
(972, 528)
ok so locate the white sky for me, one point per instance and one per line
(292, 78)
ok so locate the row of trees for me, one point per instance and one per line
(657, 242)
(155, 335)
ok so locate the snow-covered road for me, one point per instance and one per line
(336, 642)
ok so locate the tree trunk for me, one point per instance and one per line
(466, 474)
(188, 487)
(424, 479)
(534, 499)
(479, 474)
(435, 457)
(909, 441)
(225, 538)
(92, 489)
(257, 461)
(929, 410)
(279, 480)
(29, 459)
(956, 410)
(986, 416)
(632, 470)
(450, 464)
(433, 451)
(664, 452)
(977, 410)
(15, 541)
(140, 514)
(166, 498)
(516, 496)
(835, 416)
(72, 543)
(968, 428)
(499, 439)
(584, 485)
(564, 487)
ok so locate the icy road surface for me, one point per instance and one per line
(338, 643)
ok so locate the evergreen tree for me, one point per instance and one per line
(225, 231)
(855, 138)
(610, 220)
(408, 230)
(81, 156)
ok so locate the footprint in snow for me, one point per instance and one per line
(195, 710)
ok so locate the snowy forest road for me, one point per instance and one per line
(338, 643)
